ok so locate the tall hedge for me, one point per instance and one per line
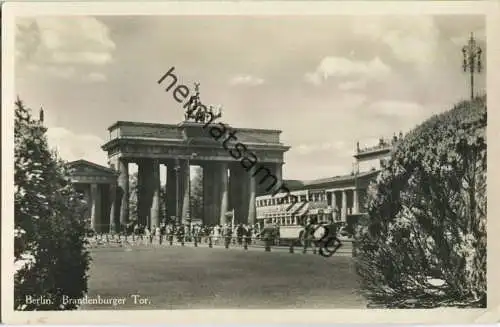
(423, 242)
(49, 246)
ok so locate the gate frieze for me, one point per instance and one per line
(147, 149)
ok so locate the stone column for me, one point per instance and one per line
(179, 189)
(95, 216)
(88, 199)
(155, 190)
(215, 188)
(330, 200)
(123, 191)
(335, 206)
(170, 195)
(185, 176)
(252, 190)
(344, 205)
(212, 193)
(279, 172)
(113, 207)
(93, 207)
(142, 190)
(355, 202)
(264, 175)
(230, 193)
(224, 184)
(208, 195)
(276, 170)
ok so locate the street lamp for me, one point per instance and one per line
(472, 61)
(356, 179)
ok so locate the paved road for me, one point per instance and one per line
(345, 250)
(179, 277)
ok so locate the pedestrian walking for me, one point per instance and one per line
(248, 232)
(240, 231)
(309, 229)
(268, 234)
(227, 234)
(158, 233)
(170, 233)
(136, 230)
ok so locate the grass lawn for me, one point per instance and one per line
(203, 278)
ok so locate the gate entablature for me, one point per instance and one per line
(175, 131)
(167, 141)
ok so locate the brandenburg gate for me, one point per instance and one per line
(227, 184)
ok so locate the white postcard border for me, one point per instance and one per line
(489, 8)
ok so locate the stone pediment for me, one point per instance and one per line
(87, 168)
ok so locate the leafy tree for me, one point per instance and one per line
(197, 194)
(133, 190)
(134, 200)
(49, 247)
(423, 243)
(163, 203)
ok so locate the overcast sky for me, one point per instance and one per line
(326, 82)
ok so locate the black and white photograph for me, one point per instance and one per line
(241, 158)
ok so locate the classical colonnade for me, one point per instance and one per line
(226, 186)
(94, 183)
(95, 195)
(340, 201)
(344, 200)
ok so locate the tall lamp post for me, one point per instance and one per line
(356, 176)
(472, 61)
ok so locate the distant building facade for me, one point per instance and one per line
(336, 197)
(97, 185)
(320, 199)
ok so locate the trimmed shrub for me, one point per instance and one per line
(50, 255)
(423, 242)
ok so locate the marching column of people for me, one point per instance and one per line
(320, 237)
(219, 234)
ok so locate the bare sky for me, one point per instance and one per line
(325, 81)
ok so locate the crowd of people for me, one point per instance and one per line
(315, 235)
(200, 233)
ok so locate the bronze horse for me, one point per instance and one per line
(198, 112)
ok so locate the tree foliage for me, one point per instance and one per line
(134, 199)
(423, 243)
(49, 246)
(196, 197)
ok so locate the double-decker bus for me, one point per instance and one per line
(340, 198)
(289, 217)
